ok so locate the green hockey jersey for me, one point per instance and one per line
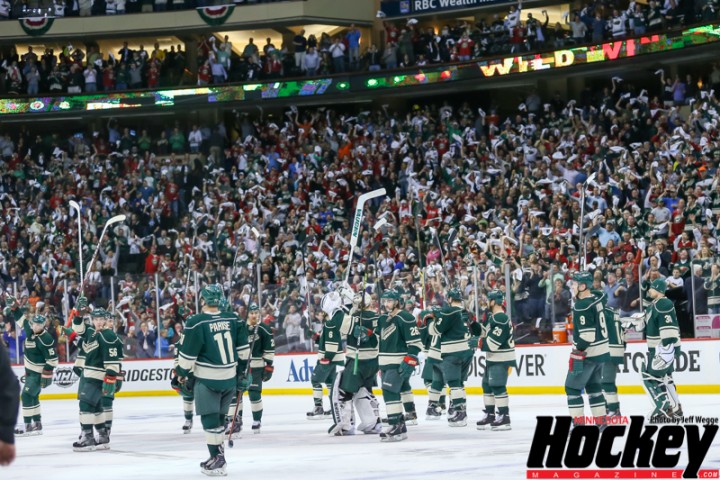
(450, 325)
(40, 350)
(209, 349)
(330, 344)
(662, 325)
(263, 350)
(399, 336)
(498, 341)
(103, 355)
(84, 332)
(616, 334)
(368, 350)
(590, 329)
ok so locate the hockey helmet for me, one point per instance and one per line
(454, 294)
(81, 302)
(253, 308)
(224, 306)
(496, 296)
(11, 301)
(659, 285)
(390, 294)
(39, 319)
(331, 302)
(584, 278)
(212, 295)
(100, 313)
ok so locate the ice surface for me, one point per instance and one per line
(147, 443)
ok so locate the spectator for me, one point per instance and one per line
(353, 46)
(145, 341)
(90, 79)
(300, 44)
(312, 62)
(372, 59)
(337, 50)
(250, 49)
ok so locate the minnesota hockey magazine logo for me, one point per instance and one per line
(629, 449)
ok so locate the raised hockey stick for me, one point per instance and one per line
(231, 443)
(357, 221)
(362, 310)
(75, 205)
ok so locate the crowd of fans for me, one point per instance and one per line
(473, 196)
(406, 44)
(16, 9)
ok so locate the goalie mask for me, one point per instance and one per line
(331, 303)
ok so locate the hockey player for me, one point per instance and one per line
(262, 357)
(590, 351)
(40, 361)
(353, 387)
(406, 394)
(103, 354)
(498, 343)
(433, 382)
(449, 325)
(616, 343)
(188, 396)
(318, 412)
(208, 357)
(399, 346)
(331, 358)
(663, 340)
(243, 354)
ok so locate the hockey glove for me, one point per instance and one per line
(474, 343)
(243, 383)
(267, 372)
(407, 367)
(108, 388)
(316, 338)
(183, 385)
(664, 356)
(321, 371)
(119, 381)
(577, 359)
(46, 378)
(361, 333)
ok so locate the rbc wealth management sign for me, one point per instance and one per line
(396, 8)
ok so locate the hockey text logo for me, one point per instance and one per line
(64, 377)
(619, 451)
(301, 373)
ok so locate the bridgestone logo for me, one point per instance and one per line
(619, 451)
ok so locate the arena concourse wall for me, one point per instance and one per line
(541, 370)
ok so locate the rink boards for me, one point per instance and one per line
(541, 369)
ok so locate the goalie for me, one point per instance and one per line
(663, 340)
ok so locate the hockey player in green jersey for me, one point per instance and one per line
(262, 357)
(399, 346)
(188, 396)
(590, 351)
(498, 343)
(40, 360)
(663, 340)
(616, 343)
(243, 354)
(449, 325)
(209, 357)
(352, 390)
(434, 383)
(103, 354)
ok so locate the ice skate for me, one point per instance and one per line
(395, 433)
(502, 422)
(188, 425)
(255, 426)
(411, 418)
(433, 412)
(86, 443)
(103, 440)
(236, 429)
(317, 413)
(486, 422)
(459, 418)
(613, 414)
(31, 430)
(215, 466)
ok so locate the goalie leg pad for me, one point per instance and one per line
(367, 408)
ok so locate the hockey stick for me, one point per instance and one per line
(357, 221)
(111, 221)
(362, 311)
(231, 443)
(74, 204)
(581, 246)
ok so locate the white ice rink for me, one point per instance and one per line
(147, 443)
